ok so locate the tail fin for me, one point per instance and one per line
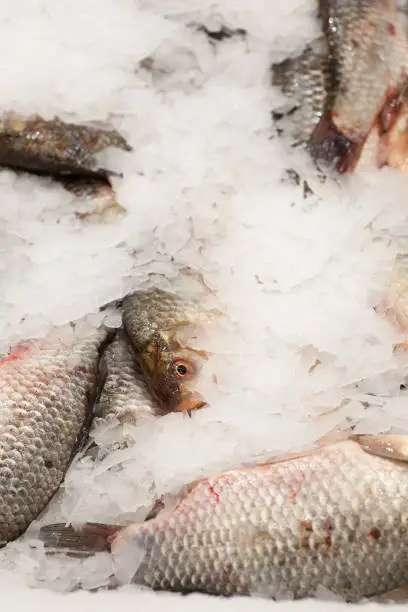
(327, 144)
(85, 541)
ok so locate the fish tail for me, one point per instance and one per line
(328, 144)
(85, 541)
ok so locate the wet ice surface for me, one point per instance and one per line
(301, 350)
(39, 600)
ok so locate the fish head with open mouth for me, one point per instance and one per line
(164, 329)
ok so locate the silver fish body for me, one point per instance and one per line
(361, 63)
(125, 395)
(368, 45)
(335, 518)
(305, 79)
(47, 389)
(157, 312)
(125, 398)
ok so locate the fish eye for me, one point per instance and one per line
(182, 369)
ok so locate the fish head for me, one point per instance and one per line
(171, 370)
(165, 331)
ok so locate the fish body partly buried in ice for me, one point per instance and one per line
(160, 326)
(125, 399)
(55, 147)
(334, 518)
(361, 63)
(125, 395)
(67, 152)
(47, 390)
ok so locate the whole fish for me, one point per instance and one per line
(160, 325)
(334, 517)
(47, 390)
(363, 62)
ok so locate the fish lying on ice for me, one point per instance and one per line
(65, 151)
(161, 326)
(150, 368)
(55, 147)
(125, 395)
(350, 81)
(125, 399)
(334, 517)
(47, 391)
(305, 78)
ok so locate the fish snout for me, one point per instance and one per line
(190, 402)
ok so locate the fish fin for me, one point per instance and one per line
(157, 507)
(328, 144)
(387, 446)
(333, 436)
(399, 595)
(115, 304)
(84, 541)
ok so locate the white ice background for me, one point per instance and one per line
(203, 188)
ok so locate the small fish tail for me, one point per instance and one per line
(328, 144)
(85, 541)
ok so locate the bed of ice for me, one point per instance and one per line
(204, 187)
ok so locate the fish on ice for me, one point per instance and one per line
(350, 84)
(55, 147)
(125, 400)
(65, 151)
(47, 391)
(334, 517)
(161, 326)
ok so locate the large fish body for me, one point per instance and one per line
(336, 517)
(368, 50)
(352, 79)
(47, 390)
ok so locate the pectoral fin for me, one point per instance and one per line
(388, 446)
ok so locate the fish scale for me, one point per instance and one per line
(305, 78)
(125, 399)
(46, 397)
(348, 84)
(160, 326)
(367, 40)
(335, 518)
(125, 395)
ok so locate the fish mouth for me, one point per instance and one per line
(192, 401)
